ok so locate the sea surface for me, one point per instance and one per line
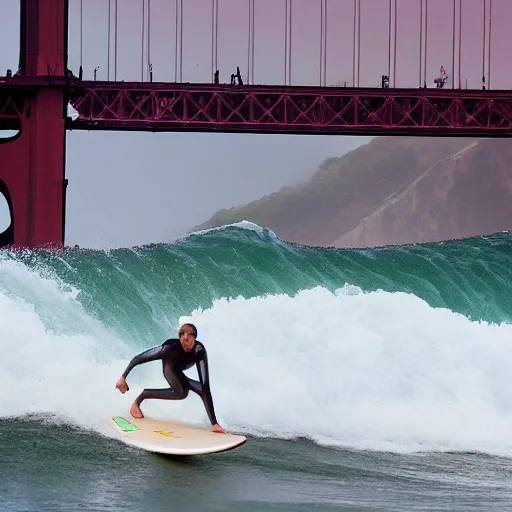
(365, 379)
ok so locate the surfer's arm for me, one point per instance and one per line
(204, 379)
(151, 354)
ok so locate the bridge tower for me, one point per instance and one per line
(32, 164)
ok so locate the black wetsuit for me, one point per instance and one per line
(175, 360)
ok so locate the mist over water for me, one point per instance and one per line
(399, 349)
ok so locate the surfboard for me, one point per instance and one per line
(173, 438)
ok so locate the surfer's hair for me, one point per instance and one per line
(192, 326)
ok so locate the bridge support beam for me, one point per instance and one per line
(32, 167)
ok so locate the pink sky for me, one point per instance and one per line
(269, 64)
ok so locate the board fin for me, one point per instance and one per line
(125, 425)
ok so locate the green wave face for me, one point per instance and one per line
(142, 292)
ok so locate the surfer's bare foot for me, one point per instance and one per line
(217, 428)
(135, 411)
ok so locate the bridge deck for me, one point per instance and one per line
(157, 107)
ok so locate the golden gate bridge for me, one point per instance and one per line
(36, 101)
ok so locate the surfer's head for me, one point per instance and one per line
(188, 335)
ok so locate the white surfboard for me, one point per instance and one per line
(173, 438)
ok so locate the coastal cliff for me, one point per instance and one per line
(393, 190)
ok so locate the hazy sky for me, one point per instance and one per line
(128, 188)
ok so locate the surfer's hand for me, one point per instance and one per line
(217, 428)
(121, 385)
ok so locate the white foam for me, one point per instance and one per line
(54, 358)
(377, 371)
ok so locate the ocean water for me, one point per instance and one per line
(375, 379)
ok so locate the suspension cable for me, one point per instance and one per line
(216, 33)
(394, 45)
(460, 44)
(179, 27)
(250, 43)
(453, 47)
(181, 40)
(142, 43)
(426, 42)
(354, 49)
(285, 41)
(148, 46)
(489, 48)
(321, 38)
(253, 41)
(115, 41)
(325, 43)
(176, 43)
(215, 39)
(483, 42)
(108, 42)
(421, 42)
(389, 40)
(288, 43)
(81, 33)
(359, 43)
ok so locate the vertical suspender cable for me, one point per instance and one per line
(288, 43)
(148, 64)
(426, 42)
(176, 43)
(215, 37)
(321, 39)
(285, 41)
(453, 47)
(250, 43)
(216, 34)
(181, 41)
(325, 43)
(359, 42)
(108, 41)
(81, 33)
(253, 39)
(460, 44)
(115, 41)
(420, 60)
(290, 46)
(142, 44)
(489, 47)
(394, 46)
(354, 48)
(483, 44)
(389, 40)
(483, 41)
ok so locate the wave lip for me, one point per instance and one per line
(244, 224)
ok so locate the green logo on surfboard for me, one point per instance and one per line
(124, 425)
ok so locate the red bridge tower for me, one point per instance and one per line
(32, 163)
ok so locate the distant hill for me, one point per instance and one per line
(393, 190)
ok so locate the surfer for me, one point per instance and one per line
(177, 355)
